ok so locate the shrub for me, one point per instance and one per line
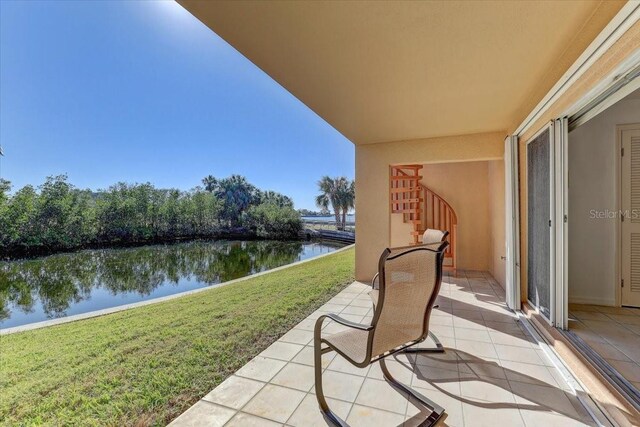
(272, 221)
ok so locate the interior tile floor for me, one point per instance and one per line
(613, 332)
(492, 373)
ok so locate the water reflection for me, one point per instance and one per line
(65, 284)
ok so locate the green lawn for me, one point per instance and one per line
(147, 365)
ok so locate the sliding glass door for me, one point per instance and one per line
(540, 253)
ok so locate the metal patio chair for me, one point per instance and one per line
(410, 280)
(431, 238)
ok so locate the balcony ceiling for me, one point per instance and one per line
(390, 71)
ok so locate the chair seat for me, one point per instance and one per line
(352, 343)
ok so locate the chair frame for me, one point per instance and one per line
(437, 412)
(439, 348)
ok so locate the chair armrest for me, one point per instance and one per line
(374, 282)
(342, 321)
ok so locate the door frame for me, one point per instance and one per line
(512, 223)
(560, 224)
(618, 236)
(606, 94)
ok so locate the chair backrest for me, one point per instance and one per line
(431, 235)
(410, 279)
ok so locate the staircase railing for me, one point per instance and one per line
(439, 215)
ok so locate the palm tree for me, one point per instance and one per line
(340, 194)
(347, 198)
(329, 197)
(210, 183)
(276, 199)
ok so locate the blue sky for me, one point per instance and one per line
(142, 91)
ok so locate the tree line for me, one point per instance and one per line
(57, 216)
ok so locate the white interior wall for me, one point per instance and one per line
(592, 189)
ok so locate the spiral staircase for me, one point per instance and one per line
(422, 207)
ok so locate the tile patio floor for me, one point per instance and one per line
(613, 332)
(492, 372)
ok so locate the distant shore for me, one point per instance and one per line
(231, 234)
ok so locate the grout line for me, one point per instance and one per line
(356, 398)
(296, 408)
(506, 378)
(265, 384)
(257, 416)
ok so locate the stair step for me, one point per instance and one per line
(408, 167)
(397, 202)
(415, 211)
(404, 189)
(406, 177)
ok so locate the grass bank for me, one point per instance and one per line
(147, 365)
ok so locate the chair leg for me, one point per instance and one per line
(437, 349)
(437, 412)
(328, 415)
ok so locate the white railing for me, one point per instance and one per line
(324, 224)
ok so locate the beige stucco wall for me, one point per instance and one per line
(400, 231)
(373, 231)
(465, 186)
(606, 64)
